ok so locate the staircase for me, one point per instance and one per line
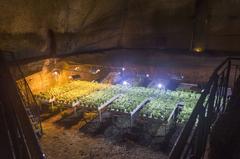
(213, 102)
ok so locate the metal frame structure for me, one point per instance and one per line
(134, 113)
(106, 104)
(212, 103)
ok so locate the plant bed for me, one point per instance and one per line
(71, 92)
(91, 96)
(132, 98)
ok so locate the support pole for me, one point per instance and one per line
(137, 109)
(104, 106)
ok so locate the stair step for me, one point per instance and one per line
(34, 121)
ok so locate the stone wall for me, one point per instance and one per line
(89, 24)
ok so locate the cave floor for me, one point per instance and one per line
(59, 142)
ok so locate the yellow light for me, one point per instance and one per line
(76, 68)
(198, 49)
(55, 73)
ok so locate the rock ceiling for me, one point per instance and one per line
(92, 24)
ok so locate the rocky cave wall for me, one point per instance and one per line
(91, 24)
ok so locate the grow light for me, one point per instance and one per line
(125, 83)
(160, 85)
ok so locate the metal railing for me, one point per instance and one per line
(31, 105)
(30, 102)
(212, 103)
(23, 141)
(27, 97)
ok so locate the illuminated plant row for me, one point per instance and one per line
(132, 98)
(93, 95)
(71, 92)
(162, 106)
(190, 103)
(97, 98)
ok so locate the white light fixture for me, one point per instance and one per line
(160, 85)
(125, 83)
(147, 75)
(98, 70)
(123, 69)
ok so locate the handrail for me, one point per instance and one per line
(29, 92)
(23, 138)
(212, 102)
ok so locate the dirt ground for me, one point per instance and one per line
(59, 142)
